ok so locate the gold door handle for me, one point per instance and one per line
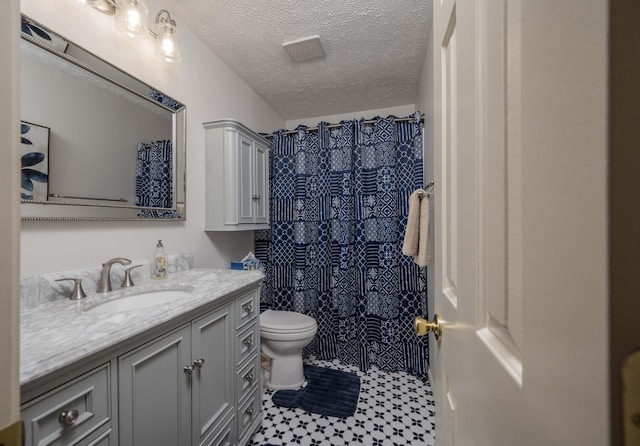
(422, 326)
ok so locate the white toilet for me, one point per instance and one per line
(283, 335)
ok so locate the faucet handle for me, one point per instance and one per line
(77, 293)
(127, 282)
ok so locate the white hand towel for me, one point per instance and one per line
(423, 257)
(411, 241)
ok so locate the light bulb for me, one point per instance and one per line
(167, 46)
(104, 6)
(132, 18)
(167, 38)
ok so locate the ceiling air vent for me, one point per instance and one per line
(302, 50)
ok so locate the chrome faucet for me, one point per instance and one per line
(105, 278)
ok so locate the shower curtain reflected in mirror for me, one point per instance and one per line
(339, 206)
(154, 179)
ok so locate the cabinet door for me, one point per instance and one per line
(154, 392)
(105, 439)
(246, 180)
(212, 340)
(261, 186)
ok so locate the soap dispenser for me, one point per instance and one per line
(159, 266)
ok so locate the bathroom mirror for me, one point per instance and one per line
(97, 143)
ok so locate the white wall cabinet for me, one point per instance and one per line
(237, 177)
(196, 383)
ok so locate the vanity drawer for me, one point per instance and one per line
(246, 308)
(247, 377)
(70, 412)
(249, 412)
(247, 343)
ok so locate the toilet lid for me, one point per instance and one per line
(285, 321)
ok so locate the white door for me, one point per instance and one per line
(520, 221)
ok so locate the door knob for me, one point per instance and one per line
(422, 326)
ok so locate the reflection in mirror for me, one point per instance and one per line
(97, 143)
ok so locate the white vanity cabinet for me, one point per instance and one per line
(154, 393)
(195, 382)
(212, 405)
(237, 177)
(248, 389)
(185, 371)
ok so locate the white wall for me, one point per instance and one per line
(210, 91)
(9, 220)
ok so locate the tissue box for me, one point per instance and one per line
(248, 265)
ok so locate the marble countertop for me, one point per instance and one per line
(62, 332)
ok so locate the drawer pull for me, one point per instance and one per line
(248, 308)
(248, 341)
(68, 417)
(198, 363)
(188, 369)
(249, 376)
(249, 411)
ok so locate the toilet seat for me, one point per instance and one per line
(284, 322)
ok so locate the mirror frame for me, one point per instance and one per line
(60, 210)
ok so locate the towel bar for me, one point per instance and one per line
(428, 188)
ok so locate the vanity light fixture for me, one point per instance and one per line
(132, 18)
(105, 6)
(167, 37)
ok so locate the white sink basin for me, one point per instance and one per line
(138, 301)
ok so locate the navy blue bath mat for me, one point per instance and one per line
(329, 392)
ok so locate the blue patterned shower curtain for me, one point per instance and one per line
(154, 175)
(339, 206)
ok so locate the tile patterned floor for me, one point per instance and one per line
(394, 409)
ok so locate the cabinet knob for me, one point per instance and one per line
(68, 417)
(248, 341)
(249, 376)
(256, 197)
(249, 411)
(198, 363)
(248, 308)
(188, 369)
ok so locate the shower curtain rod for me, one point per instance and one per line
(333, 126)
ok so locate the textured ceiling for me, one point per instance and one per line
(374, 49)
